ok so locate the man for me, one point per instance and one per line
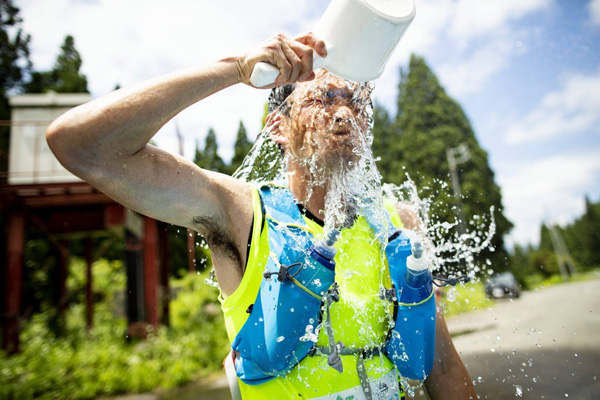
(105, 142)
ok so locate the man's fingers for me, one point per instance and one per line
(281, 61)
(305, 56)
(294, 61)
(314, 42)
(293, 58)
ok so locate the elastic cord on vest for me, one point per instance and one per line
(333, 359)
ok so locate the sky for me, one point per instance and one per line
(526, 72)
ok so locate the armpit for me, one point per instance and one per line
(217, 238)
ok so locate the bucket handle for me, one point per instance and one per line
(265, 74)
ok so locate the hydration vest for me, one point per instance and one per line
(294, 294)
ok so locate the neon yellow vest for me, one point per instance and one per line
(360, 319)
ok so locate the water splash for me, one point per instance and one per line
(340, 163)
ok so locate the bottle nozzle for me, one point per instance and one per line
(332, 237)
(417, 250)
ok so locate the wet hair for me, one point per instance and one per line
(277, 99)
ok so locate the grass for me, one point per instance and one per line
(464, 298)
(103, 363)
(537, 281)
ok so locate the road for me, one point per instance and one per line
(545, 345)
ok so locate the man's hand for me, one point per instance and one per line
(409, 218)
(293, 58)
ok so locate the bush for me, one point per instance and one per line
(465, 298)
(103, 362)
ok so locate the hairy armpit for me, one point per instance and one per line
(217, 238)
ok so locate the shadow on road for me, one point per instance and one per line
(537, 374)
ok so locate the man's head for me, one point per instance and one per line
(323, 121)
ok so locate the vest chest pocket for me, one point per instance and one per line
(273, 339)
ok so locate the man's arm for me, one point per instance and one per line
(449, 378)
(105, 142)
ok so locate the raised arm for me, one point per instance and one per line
(105, 142)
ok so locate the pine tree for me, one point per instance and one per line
(384, 149)
(65, 77)
(14, 67)
(429, 122)
(241, 148)
(590, 237)
(209, 157)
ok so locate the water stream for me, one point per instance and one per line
(330, 152)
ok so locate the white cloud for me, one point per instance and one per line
(595, 11)
(468, 67)
(475, 18)
(550, 189)
(130, 41)
(573, 109)
(471, 75)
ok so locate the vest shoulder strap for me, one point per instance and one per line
(280, 205)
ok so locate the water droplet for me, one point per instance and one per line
(280, 339)
(291, 310)
(498, 337)
(518, 391)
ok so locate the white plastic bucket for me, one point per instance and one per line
(360, 36)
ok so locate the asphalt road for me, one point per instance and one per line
(545, 345)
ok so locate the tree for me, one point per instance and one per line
(428, 122)
(65, 76)
(583, 235)
(384, 145)
(14, 66)
(209, 157)
(241, 148)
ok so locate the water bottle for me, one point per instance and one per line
(418, 282)
(313, 276)
(290, 298)
(411, 343)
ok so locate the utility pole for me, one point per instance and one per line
(456, 156)
(563, 257)
(191, 248)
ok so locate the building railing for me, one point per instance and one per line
(29, 160)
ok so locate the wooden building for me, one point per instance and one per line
(37, 191)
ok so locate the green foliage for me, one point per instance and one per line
(534, 265)
(241, 148)
(390, 164)
(103, 362)
(583, 236)
(65, 76)
(428, 123)
(468, 297)
(14, 68)
(14, 53)
(209, 157)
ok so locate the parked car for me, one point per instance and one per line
(502, 285)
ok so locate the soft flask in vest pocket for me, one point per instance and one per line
(274, 338)
(411, 342)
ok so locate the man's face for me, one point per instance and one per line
(328, 120)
